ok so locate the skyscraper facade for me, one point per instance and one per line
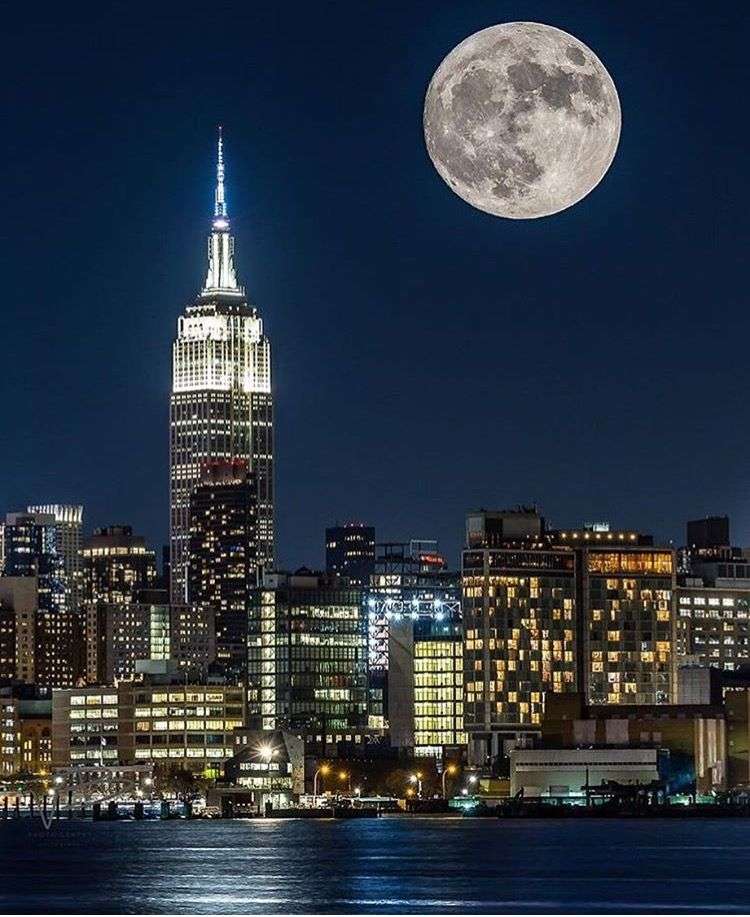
(31, 549)
(307, 657)
(68, 526)
(221, 406)
(222, 570)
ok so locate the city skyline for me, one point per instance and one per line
(624, 329)
(396, 560)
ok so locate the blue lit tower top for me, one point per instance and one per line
(221, 277)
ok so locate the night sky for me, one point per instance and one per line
(428, 358)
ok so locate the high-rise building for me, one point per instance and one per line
(588, 610)
(221, 406)
(68, 526)
(350, 552)
(31, 549)
(117, 565)
(410, 578)
(222, 566)
(307, 657)
(425, 686)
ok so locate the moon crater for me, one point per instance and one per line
(522, 120)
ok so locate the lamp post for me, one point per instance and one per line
(473, 780)
(450, 769)
(344, 775)
(417, 778)
(323, 769)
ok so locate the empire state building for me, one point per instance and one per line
(221, 405)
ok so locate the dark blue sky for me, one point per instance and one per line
(428, 357)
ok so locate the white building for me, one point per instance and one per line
(568, 771)
(221, 406)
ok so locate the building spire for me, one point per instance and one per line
(221, 276)
(220, 206)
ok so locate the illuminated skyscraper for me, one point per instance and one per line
(221, 407)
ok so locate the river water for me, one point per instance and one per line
(389, 865)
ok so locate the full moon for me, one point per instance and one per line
(522, 120)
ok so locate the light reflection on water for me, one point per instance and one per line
(389, 865)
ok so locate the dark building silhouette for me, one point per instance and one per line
(222, 557)
(711, 532)
(350, 551)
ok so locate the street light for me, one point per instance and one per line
(323, 769)
(267, 752)
(450, 769)
(343, 775)
(417, 778)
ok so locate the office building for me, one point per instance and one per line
(307, 658)
(222, 564)
(157, 721)
(410, 579)
(31, 549)
(713, 624)
(221, 405)
(350, 552)
(19, 604)
(68, 520)
(713, 598)
(425, 687)
(117, 565)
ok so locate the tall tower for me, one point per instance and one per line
(221, 406)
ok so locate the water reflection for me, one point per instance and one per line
(390, 865)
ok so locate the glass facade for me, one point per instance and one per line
(307, 658)
(438, 694)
